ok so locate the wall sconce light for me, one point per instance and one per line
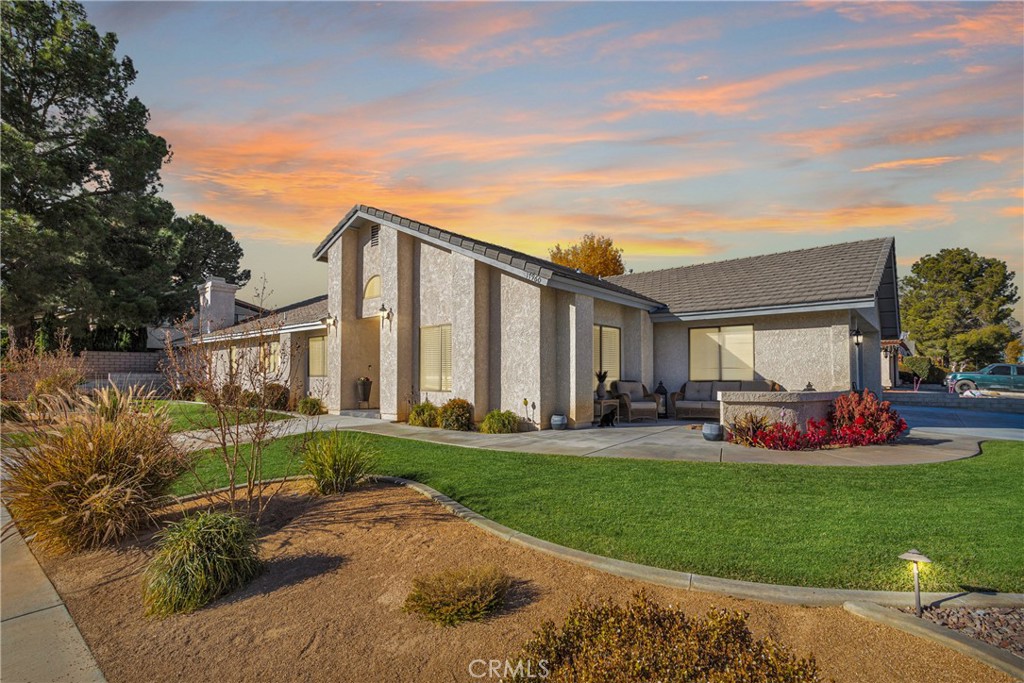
(857, 336)
(916, 557)
(385, 314)
(329, 321)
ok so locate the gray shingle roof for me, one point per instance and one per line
(300, 313)
(837, 272)
(485, 251)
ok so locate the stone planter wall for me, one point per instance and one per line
(795, 407)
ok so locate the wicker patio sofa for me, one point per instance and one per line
(700, 399)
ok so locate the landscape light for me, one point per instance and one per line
(915, 556)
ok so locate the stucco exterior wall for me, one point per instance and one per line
(516, 345)
(789, 349)
(369, 266)
(398, 336)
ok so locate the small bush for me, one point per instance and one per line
(424, 415)
(61, 382)
(249, 399)
(500, 422)
(112, 404)
(199, 559)
(744, 430)
(231, 394)
(923, 368)
(643, 641)
(276, 396)
(184, 392)
(452, 597)
(860, 419)
(96, 481)
(11, 412)
(308, 405)
(457, 415)
(339, 461)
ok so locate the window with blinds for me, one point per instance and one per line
(436, 358)
(317, 357)
(270, 355)
(607, 353)
(722, 353)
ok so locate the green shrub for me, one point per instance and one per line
(424, 415)
(308, 405)
(339, 461)
(11, 412)
(643, 641)
(456, 414)
(231, 394)
(922, 367)
(199, 559)
(249, 399)
(452, 597)
(95, 481)
(744, 430)
(276, 396)
(500, 422)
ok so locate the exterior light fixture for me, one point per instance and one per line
(858, 338)
(385, 314)
(329, 321)
(915, 556)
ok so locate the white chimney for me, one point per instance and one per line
(216, 304)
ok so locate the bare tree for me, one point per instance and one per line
(239, 373)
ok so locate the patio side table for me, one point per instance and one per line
(601, 406)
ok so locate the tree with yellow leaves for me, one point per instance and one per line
(594, 254)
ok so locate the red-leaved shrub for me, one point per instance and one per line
(860, 419)
(853, 420)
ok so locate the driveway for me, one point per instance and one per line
(965, 423)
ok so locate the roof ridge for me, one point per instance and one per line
(755, 256)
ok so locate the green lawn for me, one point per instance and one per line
(840, 527)
(189, 416)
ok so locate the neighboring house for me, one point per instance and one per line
(430, 314)
(215, 288)
(893, 351)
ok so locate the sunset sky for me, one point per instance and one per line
(688, 132)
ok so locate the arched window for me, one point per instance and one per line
(372, 289)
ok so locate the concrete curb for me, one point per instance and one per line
(976, 649)
(797, 595)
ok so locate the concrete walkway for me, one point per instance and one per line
(39, 641)
(936, 435)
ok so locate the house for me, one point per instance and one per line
(893, 352)
(430, 314)
(215, 289)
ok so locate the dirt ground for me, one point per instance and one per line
(329, 606)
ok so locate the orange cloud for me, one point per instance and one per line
(452, 32)
(738, 97)
(981, 194)
(1012, 211)
(869, 134)
(901, 164)
(995, 25)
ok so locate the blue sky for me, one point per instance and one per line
(687, 132)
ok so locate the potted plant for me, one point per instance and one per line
(364, 387)
(601, 377)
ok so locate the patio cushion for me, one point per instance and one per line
(688, 406)
(723, 386)
(641, 406)
(755, 385)
(634, 389)
(698, 391)
(710, 406)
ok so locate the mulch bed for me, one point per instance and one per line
(329, 606)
